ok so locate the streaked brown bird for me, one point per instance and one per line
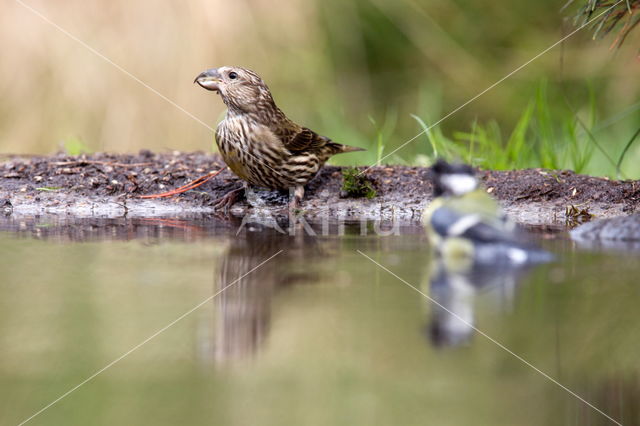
(258, 142)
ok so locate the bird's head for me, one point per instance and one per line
(242, 90)
(453, 179)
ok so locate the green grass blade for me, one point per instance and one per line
(624, 151)
(427, 131)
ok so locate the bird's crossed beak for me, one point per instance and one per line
(209, 79)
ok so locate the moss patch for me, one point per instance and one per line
(356, 185)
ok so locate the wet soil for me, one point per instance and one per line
(109, 185)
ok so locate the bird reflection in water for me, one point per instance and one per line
(243, 311)
(452, 323)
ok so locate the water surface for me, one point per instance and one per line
(317, 335)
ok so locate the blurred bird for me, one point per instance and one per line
(455, 291)
(467, 225)
(258, 142)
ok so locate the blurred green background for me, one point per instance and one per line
(371, 73)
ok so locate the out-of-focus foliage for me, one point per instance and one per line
(358, 71)
(620, 16)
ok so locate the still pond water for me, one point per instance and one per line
(309, 331)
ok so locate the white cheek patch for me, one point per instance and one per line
(459, 183)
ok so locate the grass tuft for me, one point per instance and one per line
(74, 146)
(622, 17)
(356, 185)
(552, 137)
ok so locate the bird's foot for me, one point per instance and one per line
(295, 206)
(229, 199)
(295, 195)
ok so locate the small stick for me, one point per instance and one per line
(104, 163)
(191, 185)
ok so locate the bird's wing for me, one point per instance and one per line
(448, 222)
(304, 139)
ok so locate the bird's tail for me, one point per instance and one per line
(347, 148)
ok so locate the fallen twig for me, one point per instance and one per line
(191, 185)
(102, 163)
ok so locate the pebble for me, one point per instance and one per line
(145, 153)
(622, 228)
(7, 207)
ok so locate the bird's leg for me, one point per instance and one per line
(229, 199)
(296, 196)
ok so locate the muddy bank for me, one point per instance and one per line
(109, 185)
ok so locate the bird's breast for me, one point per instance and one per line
(255, 154)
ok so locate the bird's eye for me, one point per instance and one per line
(233, 75)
